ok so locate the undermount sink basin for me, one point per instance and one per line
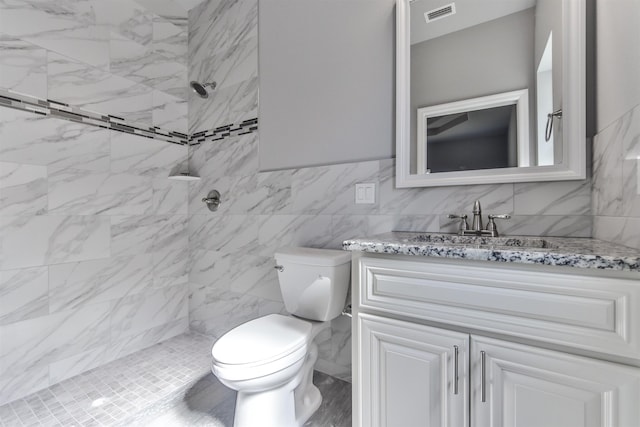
(454, 239)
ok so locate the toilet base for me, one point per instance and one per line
(307, 395)
(311, 403)
(274, 408)
(289, 405)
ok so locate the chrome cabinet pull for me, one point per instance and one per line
(455, 369)
(483, 382)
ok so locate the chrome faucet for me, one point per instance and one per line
(476, 224)
(477, 216)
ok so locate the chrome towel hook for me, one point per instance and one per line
(549, 128)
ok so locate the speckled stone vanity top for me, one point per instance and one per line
(562, 251)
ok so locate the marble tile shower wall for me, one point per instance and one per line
(616, 186)
(223, 47)
(93, 235)
(231, 270)
(94, 248)
(120, 57)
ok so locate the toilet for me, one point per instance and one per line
(269, 360)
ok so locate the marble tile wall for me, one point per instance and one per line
(93, 235)
(616, 182)
(120, 57)
(231, 269)
(93, 248)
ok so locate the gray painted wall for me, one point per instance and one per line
(618, 62)
(616, 190)
(326, 85)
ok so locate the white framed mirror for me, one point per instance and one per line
(456, 61)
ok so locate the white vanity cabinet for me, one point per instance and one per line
(526, 386)
(410, 373)
(440, 342)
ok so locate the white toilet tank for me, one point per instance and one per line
(314, 282)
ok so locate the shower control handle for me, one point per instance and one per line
(212, 200)
(279, 268)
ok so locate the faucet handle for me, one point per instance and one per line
(463, 222)
(501, 216)
(491, 226)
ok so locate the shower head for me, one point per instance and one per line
(201, 89)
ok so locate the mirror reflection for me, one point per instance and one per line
(482, 133)
(480, 139)
(467, 50)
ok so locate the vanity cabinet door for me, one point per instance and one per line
(526, 386)
(408, 374)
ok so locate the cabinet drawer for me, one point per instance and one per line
(588, 312)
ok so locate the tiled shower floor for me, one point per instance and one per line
(169, 384)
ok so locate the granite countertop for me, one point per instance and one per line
(562, 251)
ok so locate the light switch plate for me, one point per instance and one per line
(366, 193)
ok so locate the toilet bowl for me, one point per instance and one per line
(270, 374)
(269, 360)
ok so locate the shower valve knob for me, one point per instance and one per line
(212, 200)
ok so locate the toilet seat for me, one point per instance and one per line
(260, 347)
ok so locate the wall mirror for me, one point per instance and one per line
(490, 91)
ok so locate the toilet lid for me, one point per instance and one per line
(261, 340)
(312, 256)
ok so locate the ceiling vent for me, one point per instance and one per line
(439, 13)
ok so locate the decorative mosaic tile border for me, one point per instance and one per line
(66, 112)
(223, 132)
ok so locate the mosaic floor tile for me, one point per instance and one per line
(168, 384)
